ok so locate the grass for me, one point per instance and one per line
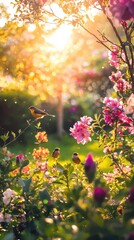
(67, 146)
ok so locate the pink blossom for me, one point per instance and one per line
(107, 149)
(122, 85)
(114, 56)
(20, 157)
(80, 130)
(122, 9)
(114, 112)
(7, 195)
(42, 166)
(116, 76)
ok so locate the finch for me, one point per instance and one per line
(76, 158)
(56, 153)
(38, 113)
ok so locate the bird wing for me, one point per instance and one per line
(39, 111)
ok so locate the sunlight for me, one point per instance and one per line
(60, 38)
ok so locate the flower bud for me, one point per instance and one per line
(131, 195)
(90, 168)
(99, 194)
(20, 157)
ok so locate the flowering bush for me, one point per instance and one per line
(40, 198)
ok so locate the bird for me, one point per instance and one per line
(76, 158)
(56, 153)
(38, 113)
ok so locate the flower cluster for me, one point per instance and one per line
(8, 155)
(114, 112)
(41, 137)
(122, 9)
(42, 166)
(114, 56)
(40, 153)
(81, 130)
(120, 83)
(111, 176)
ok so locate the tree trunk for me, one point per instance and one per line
(59, 109)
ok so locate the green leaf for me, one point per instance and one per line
(44, 195)
(5, 136)
(14, 135)
(25, 183)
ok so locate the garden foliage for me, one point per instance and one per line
(40, 198)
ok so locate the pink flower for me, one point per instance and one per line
(122, 9)
(80, 130)
(113, 110)
(99, 194)
(42, 166)
(90, 168)
(114, 56)
(7, 195)
(116, 76)
(122, 85)
(20, 157)
(114, 113)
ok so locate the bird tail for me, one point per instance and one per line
(50, 115)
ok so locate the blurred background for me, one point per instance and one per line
(56, 67)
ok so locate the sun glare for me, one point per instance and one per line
(61, 37)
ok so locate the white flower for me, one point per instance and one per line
(7, 195)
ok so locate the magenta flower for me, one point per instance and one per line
(116, 76)
(90, 168)
(19, 158)
(122, 9)
(114, 56)
(122, 85)
(80, 130)
(99, 194)
(114, 112)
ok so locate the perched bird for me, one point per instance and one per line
(56, 153)
(76, 158)
(38, 113)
